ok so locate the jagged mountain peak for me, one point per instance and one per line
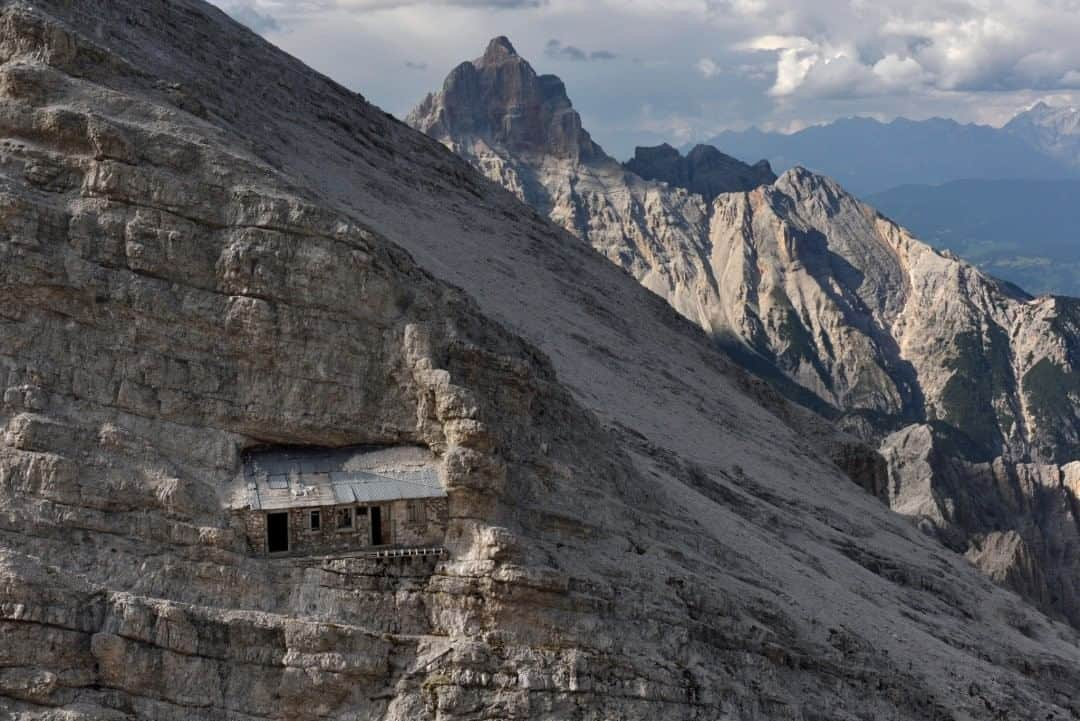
(849, 313)
(802, 183)
(1043, 109)
(703, 152)
(1052, 130)
(499, 48)
(1059, 120)
(869, 156)
(799, 175)
(500, 100)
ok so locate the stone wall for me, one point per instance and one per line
(428, 528)
(425, 527)
(254, 525)
(328, 537)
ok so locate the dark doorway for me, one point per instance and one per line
(376, 526)
(277, 532)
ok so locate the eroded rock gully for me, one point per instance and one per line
(191, 264)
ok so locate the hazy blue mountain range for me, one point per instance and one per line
(1023, 231)
(867, 156)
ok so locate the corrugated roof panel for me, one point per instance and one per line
(297, 478)
(374, 492)
(343, 493)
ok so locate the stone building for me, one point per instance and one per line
(332, 500)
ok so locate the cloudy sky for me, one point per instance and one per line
(645, 71)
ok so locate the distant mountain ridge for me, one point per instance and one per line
(1023, 231)
(798, 272)
(1003, 198)
(869, 156)
(952, 372)
(704, 170)
(1053, 131)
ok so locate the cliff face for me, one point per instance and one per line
(654, 232)
(876, 323)
(498, 96)
(704, 170)
(207, 247)
(841, 308)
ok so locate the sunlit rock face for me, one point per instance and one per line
(842, 309)
(208, 248)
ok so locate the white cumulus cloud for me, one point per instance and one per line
(853, 48)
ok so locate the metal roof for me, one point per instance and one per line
(282, 478)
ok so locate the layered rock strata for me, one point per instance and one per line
(207, 247)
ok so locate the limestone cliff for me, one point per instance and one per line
(206, 247)
(841, 308)
(873, 321)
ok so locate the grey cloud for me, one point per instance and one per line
(967, 59)
(555, 49)
(413, 65)
(895, 47)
